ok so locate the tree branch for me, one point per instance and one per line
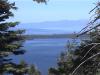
(84, 62)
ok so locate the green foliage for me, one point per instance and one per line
(10, 42)
(65, 61)
(33, 71)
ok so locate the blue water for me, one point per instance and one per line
(42, 52)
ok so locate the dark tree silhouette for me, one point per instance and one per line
(40, 1)
(10, 41)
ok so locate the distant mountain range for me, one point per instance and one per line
(56, 27)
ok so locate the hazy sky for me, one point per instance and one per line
(55, 10)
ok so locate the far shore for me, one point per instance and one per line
(54, 36)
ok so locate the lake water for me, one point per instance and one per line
(43, 52)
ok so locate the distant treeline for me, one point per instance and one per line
(40, 36)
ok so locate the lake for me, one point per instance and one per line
(43, 52)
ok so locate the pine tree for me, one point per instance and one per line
(10, 40)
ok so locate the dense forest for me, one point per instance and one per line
(54, 36)
(79, 59)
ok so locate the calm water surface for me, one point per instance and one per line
(42, 52)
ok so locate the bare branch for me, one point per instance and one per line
(89, 30)
(89, 51)
(92, 44)
(93, 9)
(84, 62)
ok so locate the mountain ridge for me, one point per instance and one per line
(54, 27)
